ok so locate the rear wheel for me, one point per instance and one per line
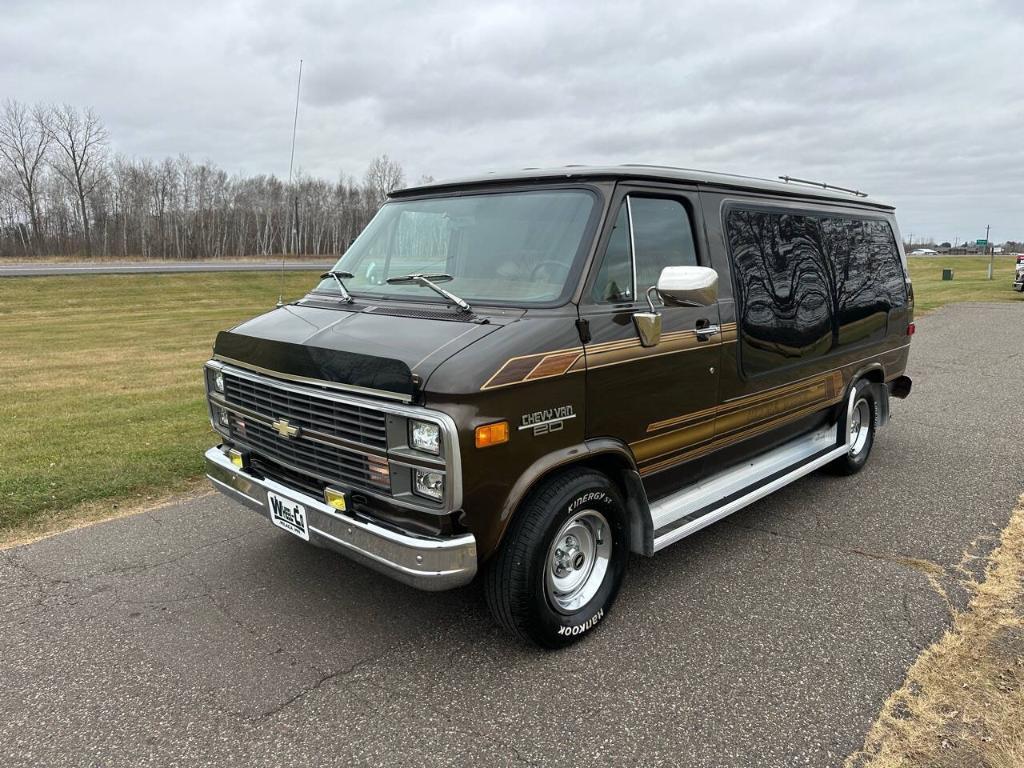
(861, 428)
(561, 564)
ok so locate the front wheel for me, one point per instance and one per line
(561, 564)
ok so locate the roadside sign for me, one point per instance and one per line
(981, 242)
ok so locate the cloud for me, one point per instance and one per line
(917, 102)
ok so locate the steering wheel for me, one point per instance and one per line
(549, 263)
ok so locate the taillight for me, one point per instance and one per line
(911, 329)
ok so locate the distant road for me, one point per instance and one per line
(136, 267)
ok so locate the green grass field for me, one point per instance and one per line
(103, 400)
(970, 280)
(103, 395)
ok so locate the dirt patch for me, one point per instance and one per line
(962, 703)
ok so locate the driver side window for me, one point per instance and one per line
(650, 233)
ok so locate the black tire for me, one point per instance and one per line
(854, 460)
(519, 593)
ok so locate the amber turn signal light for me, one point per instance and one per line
(492, 434)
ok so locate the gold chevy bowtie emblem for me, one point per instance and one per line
(284, 429)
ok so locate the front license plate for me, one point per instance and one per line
(287, 514)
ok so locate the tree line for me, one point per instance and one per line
(64, 193)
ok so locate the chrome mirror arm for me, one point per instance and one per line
(650, 301)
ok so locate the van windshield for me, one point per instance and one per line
(515, 248)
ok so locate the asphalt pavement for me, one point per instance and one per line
(197, 634)
(138, 267)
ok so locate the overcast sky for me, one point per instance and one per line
(918, 103)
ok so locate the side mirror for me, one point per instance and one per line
(688, 286)
(682, 287)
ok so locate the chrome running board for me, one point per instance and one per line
(694, 507)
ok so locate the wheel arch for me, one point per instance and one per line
(610, 457)
(874, 374)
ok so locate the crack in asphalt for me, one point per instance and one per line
(39, 577)
(323, 680)
(931, 570)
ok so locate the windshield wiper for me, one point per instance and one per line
(345, 295)
(431, 282)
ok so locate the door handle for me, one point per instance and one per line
(705, 332)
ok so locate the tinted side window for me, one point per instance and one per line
(662, 237)
(860, 310)
(887, 263)
(868, 277)
(782, 286)
(810, 284)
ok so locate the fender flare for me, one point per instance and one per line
(608, 455)
(879, 391)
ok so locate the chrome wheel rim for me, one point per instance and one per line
(860, 426)
(577, 561)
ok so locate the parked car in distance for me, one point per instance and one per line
(924, 252)
(1018, 277)
(528, 376)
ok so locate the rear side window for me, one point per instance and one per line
(867, 275)
(650, 233)
(807, 284)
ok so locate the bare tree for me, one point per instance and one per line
(24, 145)
(61, 194)
(82, 140)
(382, 178)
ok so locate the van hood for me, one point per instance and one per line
(390, 349)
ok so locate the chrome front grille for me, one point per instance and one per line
(308, 436)
(357, 424)
(323, 462)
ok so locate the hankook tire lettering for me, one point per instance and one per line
(581, 628)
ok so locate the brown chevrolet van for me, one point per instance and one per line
(529, 376)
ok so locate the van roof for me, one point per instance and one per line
(793, 188)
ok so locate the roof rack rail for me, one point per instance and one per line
(823, 185)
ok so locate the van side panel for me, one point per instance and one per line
(773, 402)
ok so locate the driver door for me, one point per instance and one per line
(660, 399)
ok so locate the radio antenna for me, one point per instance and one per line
(291, 163)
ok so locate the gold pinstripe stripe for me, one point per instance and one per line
(543, 365)
(713, 445)
(744, 417)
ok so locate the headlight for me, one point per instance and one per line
(425, 436)
(428, 484)
(218, 381)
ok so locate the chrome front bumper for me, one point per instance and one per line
(422, 562)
